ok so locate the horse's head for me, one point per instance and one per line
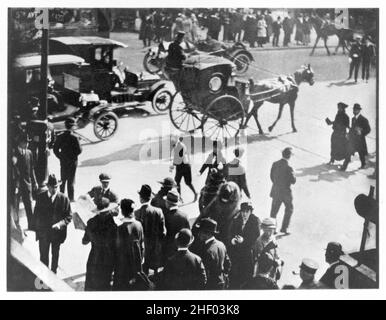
(307, 74)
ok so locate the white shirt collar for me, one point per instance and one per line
(209, 240)
(357, 115)
(173, 208)
(182, 249)
(145, 204)
(53, 197)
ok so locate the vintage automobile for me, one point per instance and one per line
(109, 79)
(154, 59)
(65, 98)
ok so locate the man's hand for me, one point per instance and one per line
(59, 225)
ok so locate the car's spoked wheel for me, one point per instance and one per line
(184, 116)
(151, 64)
(242, 62)
(105, 125)
(223, 118)
(162, 101)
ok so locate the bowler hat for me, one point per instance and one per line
(335, 248)
(309, 266)
(145, 191)
(104, 177)
(357, 106)
(208, 225)
(168, 182)
(184, 238)
(172, 197)
(53, 181)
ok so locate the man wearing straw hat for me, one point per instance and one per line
(52, 215)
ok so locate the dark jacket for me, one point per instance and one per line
(47, 214)
(96, 193)
(184, 271)
(217, 264)
(101, 232)
(261, 282)
(175, 55)
(282, 177)
(338, 137)
(158, 201)
(357, 141)
(67, 147)
(355, 51)
(328, 279)
(129, 253)
(276, 26)
(153, 223)
(25, 171)
(368, 52)
(175, 220)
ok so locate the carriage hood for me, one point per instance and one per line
(204, 61)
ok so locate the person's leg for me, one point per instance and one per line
(188, 180)
(178, 178)
(362, 157)
(363, 70)
(289, 209)
(357, 63)
(71, 180)
(351, 69)
(27, 201)
(55, 248)
(346, 162)
(63, 175)
(367, 70)
(275, 207)
(44, 249)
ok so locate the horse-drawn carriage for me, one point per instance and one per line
(210, 98)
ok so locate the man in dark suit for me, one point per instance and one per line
(355, 56)
(333, 253)
(184, 270)
(67, 149)
(282, 177)
(26, 181)
(52, 215)
(158, 200)
(175, 220)
(153, 223)
(244, 231)
(214, 255)
(360, 128)
(368, 54)
(98, 192)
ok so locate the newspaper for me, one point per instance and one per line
(83, 210)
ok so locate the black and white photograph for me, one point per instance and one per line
(229, 149)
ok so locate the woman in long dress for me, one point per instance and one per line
(339, 135)
(261, 31)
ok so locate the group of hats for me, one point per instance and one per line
(357, 106)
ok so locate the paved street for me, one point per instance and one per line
(323, 197)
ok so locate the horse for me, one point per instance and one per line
(287, 95)
(324, 30)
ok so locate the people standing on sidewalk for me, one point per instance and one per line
(250, 29)
(308, 270)
(237, 173)
(214, 25)
(282, 177)
(276, 26)
(153, 223)
(52, 214)
(269, 22)
(333, 253)
(157, 22)
(287, 28)
(236, 25)
(355, 56)
(261, 31)
(339, 134)
(187, 24)
(299, 35)
(214, 256)
(25, 185)
(360, 128)
(178, 24)
(146, 30)
(180, 160)
(368, 55)
(101, 231)
(243, 232)
(158, 200)
(130, 248)
(67, 149)
(175, 220)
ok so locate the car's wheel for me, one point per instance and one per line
(162, 100)
(152, 64)
(242, 62)
(105, 125)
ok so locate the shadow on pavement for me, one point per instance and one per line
(325, 172)
(342, 83)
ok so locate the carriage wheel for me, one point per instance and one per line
(184, 117)
(151, 64)
(242, 62)
(162, 100)
(105, 125)
(223, 118)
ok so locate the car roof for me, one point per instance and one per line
(86, 41)
(54, 59)
(205, 61)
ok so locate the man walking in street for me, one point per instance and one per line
(360, 128)
(153, 223)
(214, 255)
(26, 181)
(183, 168)
(52, 215)
(355, 56)
(282, 177)
(67, 149)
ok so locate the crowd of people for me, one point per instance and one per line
(251, 26)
